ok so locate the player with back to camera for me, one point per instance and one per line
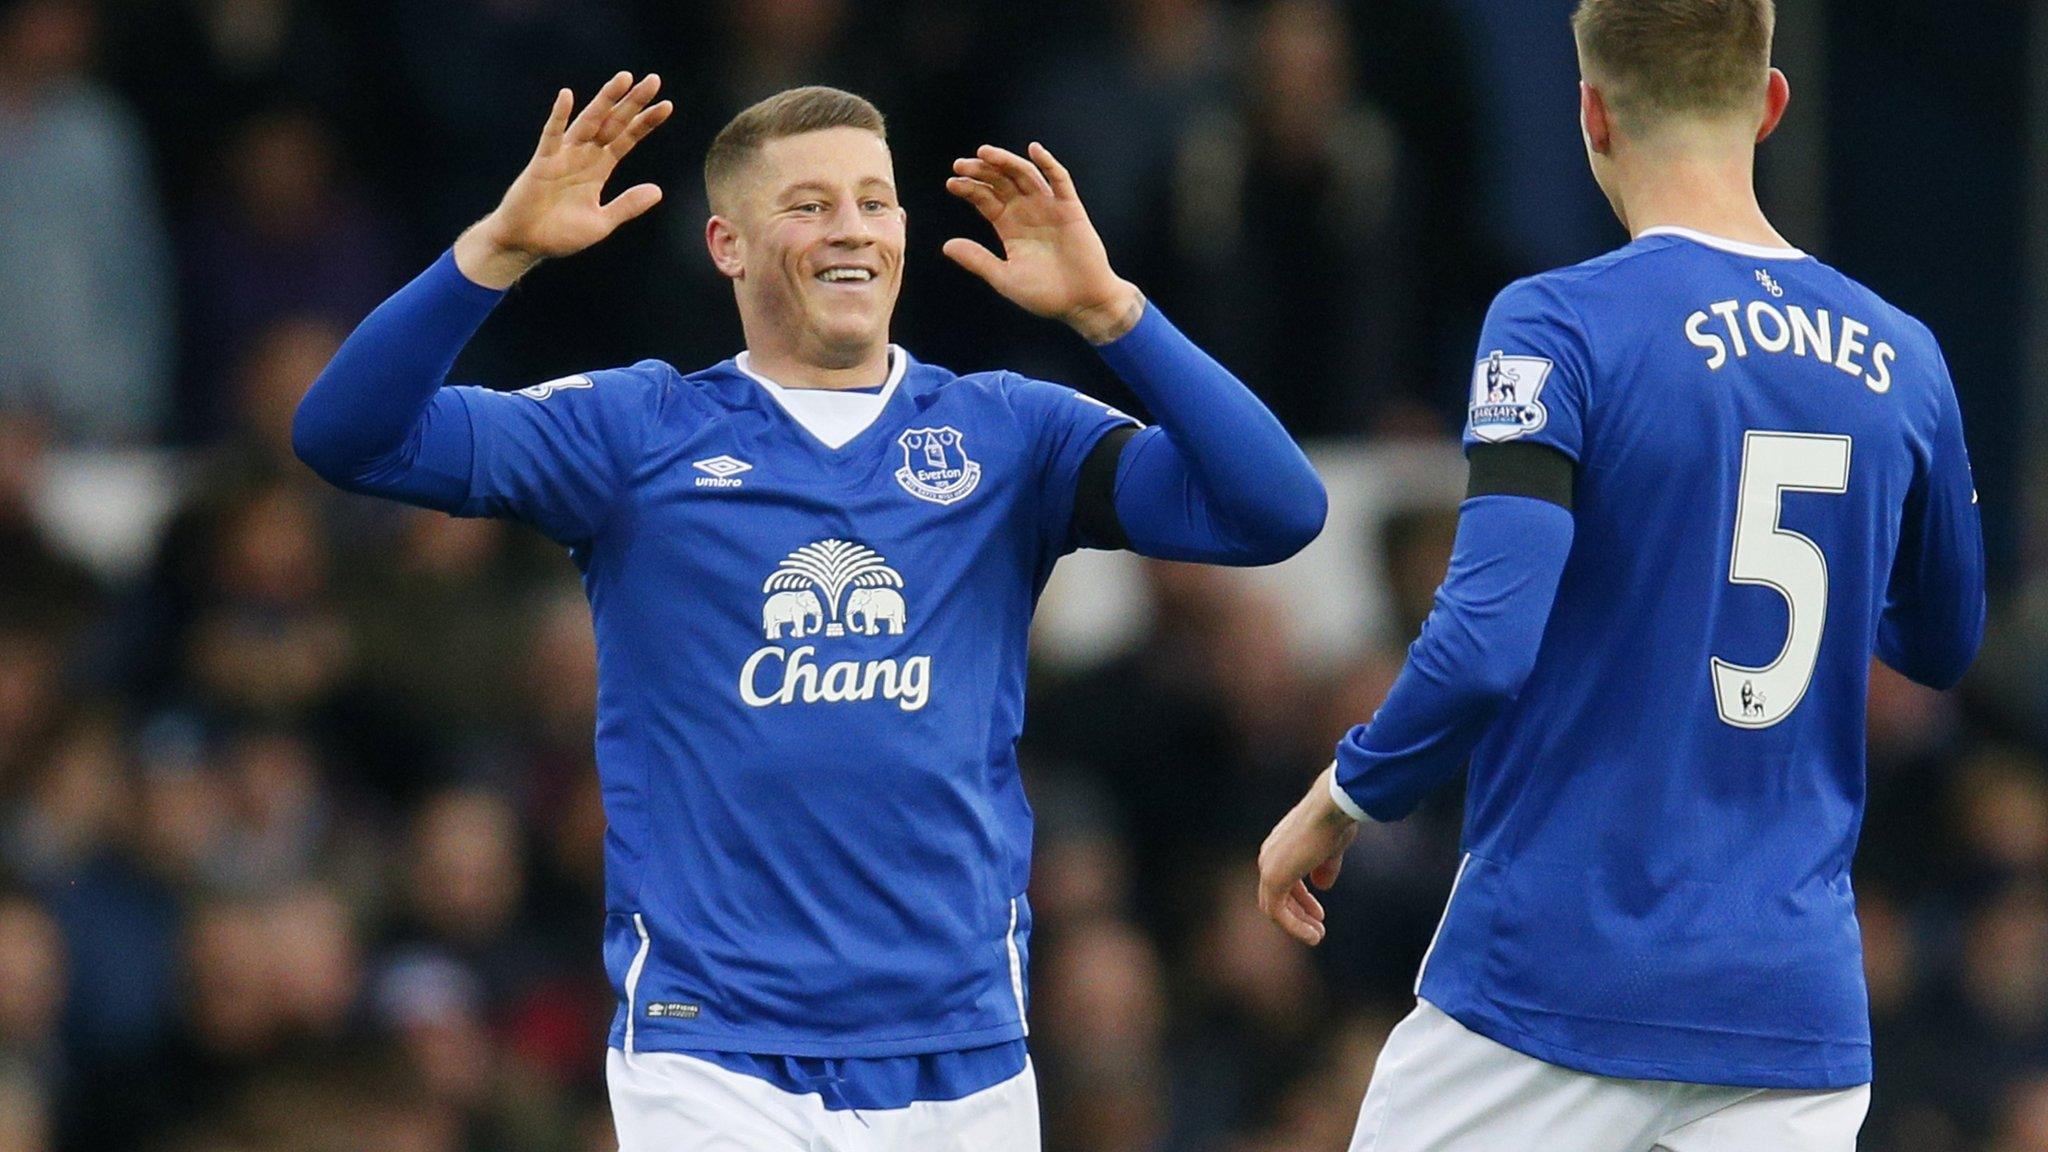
(811, 570)
(1710, 476)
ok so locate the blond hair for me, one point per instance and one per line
(1658, 59)
(788, 113)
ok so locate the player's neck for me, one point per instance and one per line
(1714, 197)
(790, 368)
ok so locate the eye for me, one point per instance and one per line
(875, 205)
(809, 208)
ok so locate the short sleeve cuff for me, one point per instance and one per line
(1344, 801)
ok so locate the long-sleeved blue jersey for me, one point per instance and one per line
(811, 648)
(1663, 693)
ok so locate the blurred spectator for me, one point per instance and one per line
(285, 238)
(1292, 226)
(41, 588)
(269, 642)
(194, 69)
(85, 294)
(1101, 1007)
(33, 985)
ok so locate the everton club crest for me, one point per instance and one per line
(935, 465)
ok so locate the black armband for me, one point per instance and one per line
(1095, 518)
(1537, 471)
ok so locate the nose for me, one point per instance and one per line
(850, 227)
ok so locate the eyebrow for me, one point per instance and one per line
(819, 186)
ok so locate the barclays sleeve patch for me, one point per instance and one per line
(1507, 396)
(549, 388)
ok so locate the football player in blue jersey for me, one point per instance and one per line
(812, 570)
(1710, 478)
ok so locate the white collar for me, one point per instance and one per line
(833, 416)
(1759, 251)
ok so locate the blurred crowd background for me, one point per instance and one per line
(299, 826)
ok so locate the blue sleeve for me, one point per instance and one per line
(1934, 609)
(379, 420)
(1064, 426)
(558, 455)
(1219, 480)
(1476, 651)
(376, 420)
(1530, 382)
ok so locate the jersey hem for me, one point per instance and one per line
(1721, 1074)
(646, 1039)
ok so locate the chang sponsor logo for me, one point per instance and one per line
(832, 589)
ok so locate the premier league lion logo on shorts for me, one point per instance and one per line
(935, 465)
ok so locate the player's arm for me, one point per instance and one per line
(378, 420)
(1476, 650)
(1483, 635)
(1934, 610)
(1218, 480)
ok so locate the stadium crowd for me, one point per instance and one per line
(299, 826)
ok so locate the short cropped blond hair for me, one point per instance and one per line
(1658, 59)
(788, 113)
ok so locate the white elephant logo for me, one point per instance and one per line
(792, 609)
(825, 584)
(868, 609)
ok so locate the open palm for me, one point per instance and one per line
(1053, 263)
(556, 206)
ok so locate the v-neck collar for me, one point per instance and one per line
(835, 419)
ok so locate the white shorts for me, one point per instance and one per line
(664, 1102)
(1439, 1087)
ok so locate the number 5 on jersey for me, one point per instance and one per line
(1774, 463)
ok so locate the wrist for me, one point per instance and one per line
(1337, 805)
(487, 259)
(1112, 318)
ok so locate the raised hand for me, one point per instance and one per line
(555, 207)
(1053, 263)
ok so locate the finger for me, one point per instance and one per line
(1289, 917)
(636, 98)
(588, 121)
(998, 180)
(978, 194)
(1024, 172)
(558, 121)
(1326, 872)
(647, 121)
(630, 203)
(1055, 172)
(974, 258)
(1304, 900)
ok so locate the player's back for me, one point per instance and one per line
(1660, 827)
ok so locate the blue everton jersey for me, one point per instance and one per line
(1659, 828)
(810, 686)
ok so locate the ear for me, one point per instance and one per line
(1594, 120)
(1777, 94)
(722, 238)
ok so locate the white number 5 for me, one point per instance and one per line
(1774, 463)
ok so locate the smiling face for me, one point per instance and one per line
(811, 233)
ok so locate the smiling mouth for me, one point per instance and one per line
(846, 276)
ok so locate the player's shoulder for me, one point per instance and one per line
(992, 389)
(1567, 293)
(1865, 302)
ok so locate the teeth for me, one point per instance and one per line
(835, 274)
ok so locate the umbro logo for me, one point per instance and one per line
(721, 472)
